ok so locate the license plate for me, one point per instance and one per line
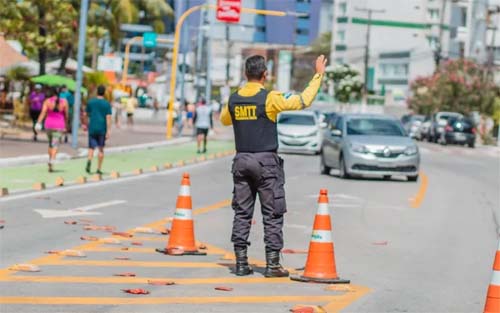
(460, 136)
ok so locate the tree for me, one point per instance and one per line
(347, 83)
(303, 63)
(459, 86)
(106, 16)
(42, 26)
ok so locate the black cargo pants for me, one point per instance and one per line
(258, 173)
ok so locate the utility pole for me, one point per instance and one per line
(491, 55)
(185, 41)
(367, 47)
(228, 53)
(84, 7)
(439, 49)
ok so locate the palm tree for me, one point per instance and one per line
(107, 16)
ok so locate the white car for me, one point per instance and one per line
(299, 131)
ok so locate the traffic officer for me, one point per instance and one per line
(257, 168)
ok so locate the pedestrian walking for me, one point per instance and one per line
(257, 168)
(56, 114)
(97, 117)
(68, 96)
(130, 106)
(36, 99)
(203, 122)
(190, 108)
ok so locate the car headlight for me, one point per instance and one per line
(359, 148)
(411, 150)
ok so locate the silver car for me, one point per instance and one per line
(366, 145)
(299, 131)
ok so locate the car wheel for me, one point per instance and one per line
(471, 144)
(325, 170)
(342, 169)
(412, 178)
(387, 177)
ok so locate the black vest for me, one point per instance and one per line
(253, 130)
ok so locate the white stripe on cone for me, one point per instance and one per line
(183, 214)
(184, 191)
(495, 279)
(323, 209)
(321, 236)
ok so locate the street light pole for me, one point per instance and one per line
(84, 7)
(175, 52)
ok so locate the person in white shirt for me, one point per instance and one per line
(203, 122)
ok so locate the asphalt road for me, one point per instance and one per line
(406, 247)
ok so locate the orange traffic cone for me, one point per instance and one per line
(320, 264)
(181, 241)
(493, 297)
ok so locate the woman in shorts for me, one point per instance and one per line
(55, 112)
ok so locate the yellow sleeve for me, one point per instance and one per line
(278, 102)
(225, 116)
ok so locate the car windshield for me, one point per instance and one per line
(449, 116)
(374, 127)
(296, 119)
(419, 118)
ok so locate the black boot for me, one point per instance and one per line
(273, 267)
(242, 267)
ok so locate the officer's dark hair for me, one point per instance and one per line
(101, 90)
(255, 67)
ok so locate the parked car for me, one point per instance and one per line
(439, 121)
(459, 131)
(412, 124)
(423, 131)
(299, 131)
(365, 144)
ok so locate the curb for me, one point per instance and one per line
(114, 175)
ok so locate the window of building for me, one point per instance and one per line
(433, 42)
(401, 69)
(303, 1)
(301, 31)
(461, 49)
(433, 14)
(341, 36)
(342, 9)
(384, 69)
(463, 17)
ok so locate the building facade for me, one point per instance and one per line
(227, 41)
(405, 37)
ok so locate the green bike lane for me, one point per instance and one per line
(24, 177)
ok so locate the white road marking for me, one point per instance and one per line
(78, 211)
(297, 226)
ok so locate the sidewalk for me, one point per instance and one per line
(149, 128)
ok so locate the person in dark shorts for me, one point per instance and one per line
(203, 122)
(36, 99)
(98, 121)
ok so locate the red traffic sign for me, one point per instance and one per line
(228, 11)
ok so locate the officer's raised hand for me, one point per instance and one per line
(321, 64)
